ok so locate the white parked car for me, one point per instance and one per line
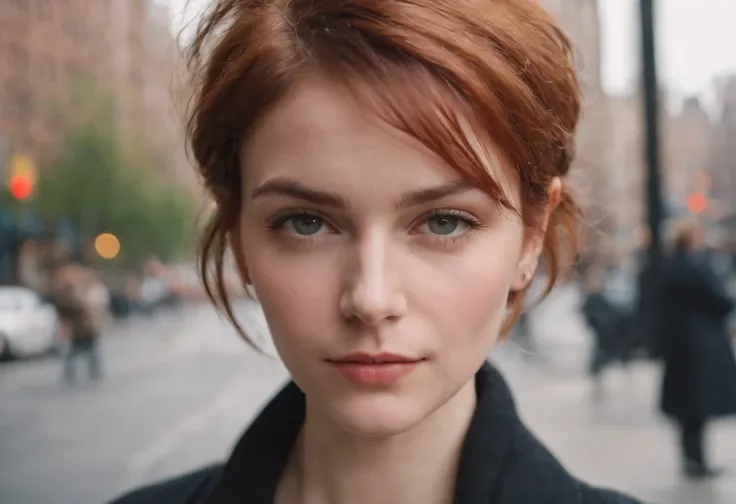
(28, 325)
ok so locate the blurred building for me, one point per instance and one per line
(44, 45)
(609, 172)
(722, 166)
(627, 170)
(145, 63)
(592, 170)
(686, 139)
(124, 46)
(687, 149)
(580, 20)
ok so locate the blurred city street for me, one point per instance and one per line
(104, 196)
(180, 387)
(619, 439)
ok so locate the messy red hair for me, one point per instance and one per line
(431, 68)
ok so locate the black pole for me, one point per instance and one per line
(649, 273)
(655, 211)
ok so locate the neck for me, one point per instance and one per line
(332, 466)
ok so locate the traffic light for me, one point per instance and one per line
(22, 179)
(21, 187)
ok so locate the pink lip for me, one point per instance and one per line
(375, 369)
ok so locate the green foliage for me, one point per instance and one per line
(103, 188)
(6, 201)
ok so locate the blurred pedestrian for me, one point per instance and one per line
(602, 318)
(82, 301)
(700, 370)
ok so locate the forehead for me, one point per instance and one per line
(319, 133)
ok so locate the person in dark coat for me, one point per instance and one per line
(387, 176)
(605, 322)
(700, 369)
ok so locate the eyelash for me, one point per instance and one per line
(277, 223)
(471, 221)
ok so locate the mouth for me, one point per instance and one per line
(375, 369)
(375, 359)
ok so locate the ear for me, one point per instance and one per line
(534, 239)
(236, 245)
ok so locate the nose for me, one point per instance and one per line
(372, 292)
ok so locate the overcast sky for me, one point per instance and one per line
(696, 41)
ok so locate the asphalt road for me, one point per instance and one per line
(177, 392)
(180, 388)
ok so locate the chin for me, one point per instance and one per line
(378, 414)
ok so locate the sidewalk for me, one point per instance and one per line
(618, 441)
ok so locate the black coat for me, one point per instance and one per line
(608, 322)
(700, 369)
(501, 462)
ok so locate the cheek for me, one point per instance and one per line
(468, 293)
(296, 293)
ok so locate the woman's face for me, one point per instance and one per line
(383, 274)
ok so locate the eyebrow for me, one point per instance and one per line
(430, 194)
(294, 189)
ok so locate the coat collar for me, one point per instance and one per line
(253, 471)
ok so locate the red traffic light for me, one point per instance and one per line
(20, 187)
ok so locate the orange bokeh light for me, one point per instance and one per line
(697, 202)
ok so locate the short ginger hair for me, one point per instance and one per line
(429, 68)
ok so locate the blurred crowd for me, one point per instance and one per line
(684, 316)
(60, 303)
